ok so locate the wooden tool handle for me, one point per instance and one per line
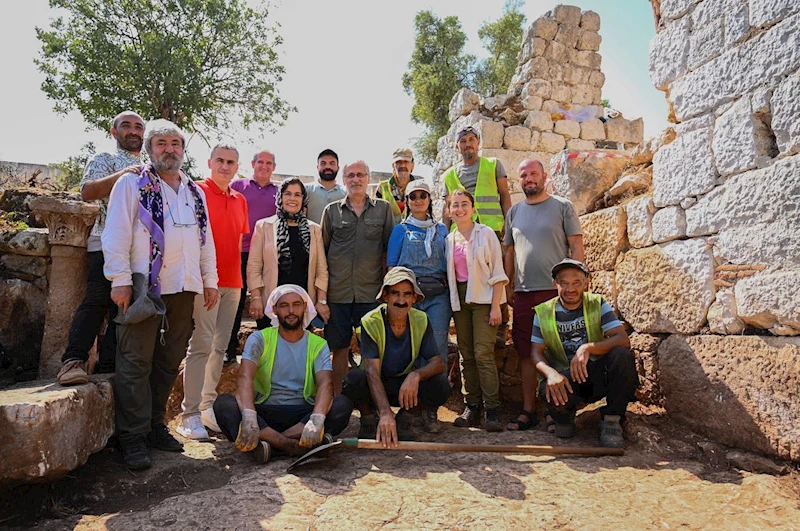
(371, 444)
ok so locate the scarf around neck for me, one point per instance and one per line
(430, 230)
(282, 227)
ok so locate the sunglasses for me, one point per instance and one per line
(414, 196)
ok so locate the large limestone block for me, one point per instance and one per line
(667, 287)
(561, 93)
(24, 267)
(771, 243)
(741, 140)
(28, 242)
(577, 144)
(643, 153)
(640, 221)
(511, 159)
(517, 137)
(544, 28)
(47, 430)
(583, 94)
(492, 133)
(706, 42)
(462, 103)
(21, 302)
(534, 47)
(597, 79)
(604, 237)
(786, 115)
(556, 51)
(738, 390)
(763, 12)
(587, 59)
(593, 130)
(622, 130)
(551, 142)
(722, 316)
(675, 8)
(669, 52)
(737, 23)
(538, 87)
(770, 301)
(584, 178)
(539, 121)
(632, 183)
(590, 21)
(669, 224)
(604, 283)
(760, 61)
(567, 15)
(758, 196)
(645, 348)
(568, 128)
(589, 40)
(684, 168)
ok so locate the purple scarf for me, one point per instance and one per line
(151, 213)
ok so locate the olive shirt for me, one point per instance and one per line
(355, 246)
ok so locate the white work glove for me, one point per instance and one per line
(313, 431)
(248, 431)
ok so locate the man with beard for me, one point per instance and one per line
(393, 190)
(284, 400)
(540, 232)
(158, 239)
(259, 191)
(355, 232)
(401, 364)
(583, 353)
(326, 190)
(101, 172)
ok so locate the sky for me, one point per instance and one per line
(344, 62)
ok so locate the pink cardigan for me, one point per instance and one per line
(485, 264)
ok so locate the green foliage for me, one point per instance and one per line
(605, 103)
(9, 221)
(502, 39)
(209, 64)
(72, 168)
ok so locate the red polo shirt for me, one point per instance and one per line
(227, 213)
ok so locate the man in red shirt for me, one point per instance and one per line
(227, 213)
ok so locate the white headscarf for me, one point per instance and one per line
(279, 292)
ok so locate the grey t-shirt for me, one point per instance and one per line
(539, 233)
(319, 197)
(468, 174)
(288, 369)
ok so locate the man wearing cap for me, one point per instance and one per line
(284, 399)
(101, 172)
(402, 366)
(483, 177)
(325, 190)
(582, 352)
(393, 190)
(540, 232)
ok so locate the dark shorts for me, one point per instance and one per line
(344, 318)
(524, 304)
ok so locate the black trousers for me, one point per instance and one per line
(433, 392)
(262, 323)
(612, 377)
(280, 418)
(89, 317)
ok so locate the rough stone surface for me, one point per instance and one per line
(593, 130)
(544, 28)
(492, 134)
(770, 301)
(604, 283)
(760, 61)
(643, 153)
(741, 141)
(751, 390)
(561, 93)
(769, 243)
(511, 160)
(24, 267)
(705, 42)
(786, 115)
(551, 142)
(538, 87)
(722, 316)
(755, 463)
(583, 94)
(29, 242)
(622, 130)
(667, 287)
(567, 15)
(517, 137)
(589, 40)
(463, 102)
(597, 79)
(539, 121)
(577, 144)
(669, 224)
(21, 302)
(763, 12)
(632, 183)
(645, 348)
(757, 196)
(590, 21)
(683, 168)
(669, 52)
(675, 8)
(604, 237)
(584, 179)
(568, 128)
(47, 430)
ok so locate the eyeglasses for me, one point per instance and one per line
(413, 196)
(356, 175)
(175, 223)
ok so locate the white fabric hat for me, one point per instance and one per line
(279, 292)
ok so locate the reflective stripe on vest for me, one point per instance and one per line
(386, 194)
(487, 199)
(263, 380)
(549, 328)
(372, 323)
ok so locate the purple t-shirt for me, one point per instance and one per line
(260, 204)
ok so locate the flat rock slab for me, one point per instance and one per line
(47, 430)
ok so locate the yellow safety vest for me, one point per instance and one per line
(263, 380)
(487, 199)
(372, 323)
(547, 324)
(386, 194)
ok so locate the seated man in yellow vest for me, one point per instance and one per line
(484, 177)
(393, 190)
(284, 399)
(401, 364)
(582, 351)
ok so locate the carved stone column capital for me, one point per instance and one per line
(68, 222)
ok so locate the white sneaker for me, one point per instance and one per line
(192, 428)
(210, 420)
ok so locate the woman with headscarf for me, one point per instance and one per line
(287, 249)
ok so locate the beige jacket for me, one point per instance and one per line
(485, 265)
(262, 264)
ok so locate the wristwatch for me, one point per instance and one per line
(323, 302)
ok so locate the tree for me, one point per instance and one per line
(204, 64)
(437, 69)
(503, 40)
(72, 169)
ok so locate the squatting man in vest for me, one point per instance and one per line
(401, 367)
(284, 401)
(583, 353)
(393, 190)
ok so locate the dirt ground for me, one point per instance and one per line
(663, 482)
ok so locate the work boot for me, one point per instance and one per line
(430, 422)
(493, 419)
(611, 432)
(262, 452)
(470, 417)
(403, 424)
(566, 430)
(369, 426)
(135, 454)
(73, 373)
(161, 439)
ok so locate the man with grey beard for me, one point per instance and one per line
(157, 239)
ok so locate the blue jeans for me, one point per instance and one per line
(439, 313)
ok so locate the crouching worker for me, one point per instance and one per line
(583, 353)
(401, 364)
(284, 399)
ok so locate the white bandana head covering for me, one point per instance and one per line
(279, 292)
